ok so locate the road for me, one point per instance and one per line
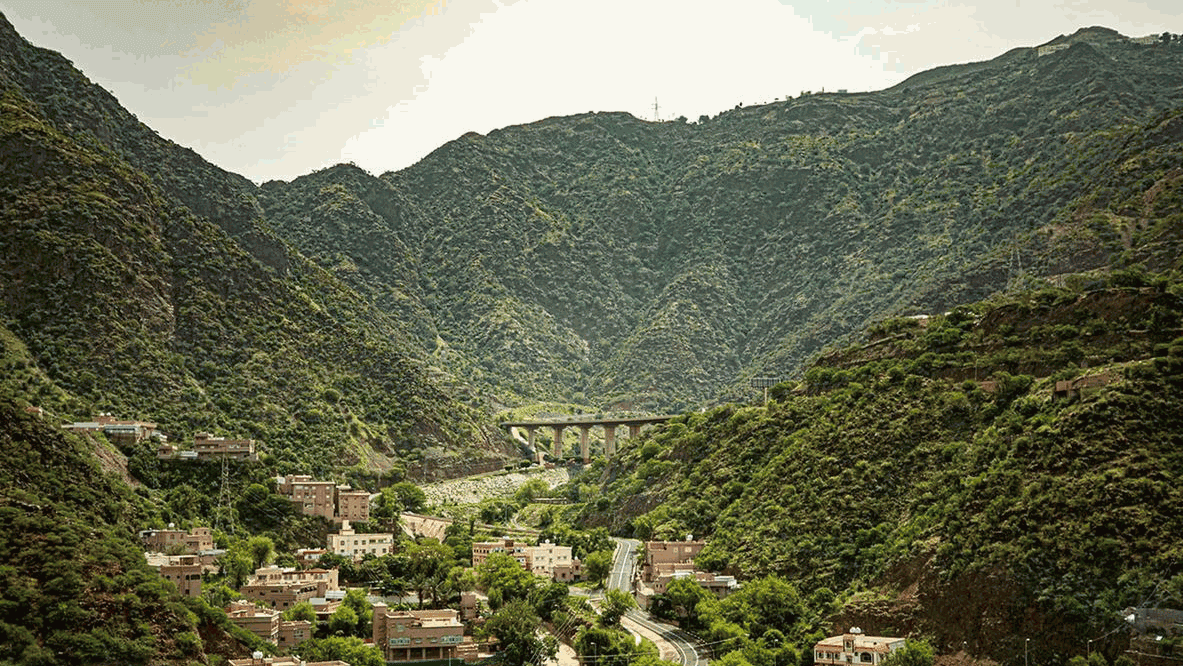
(673, 643)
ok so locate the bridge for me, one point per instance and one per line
(585, 424)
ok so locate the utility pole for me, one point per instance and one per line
(655, 116)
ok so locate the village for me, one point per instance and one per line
(286, 605)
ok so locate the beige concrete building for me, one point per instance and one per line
(283, 588)
(352, 505)
(348, 543)
(183, 570)
(547, 558)
(419, 635)
(518, 551)
(309, 557)
(207, 446)
(668, 557)
(720, 586)
(854, 647)
(325, 498)
(192, 542)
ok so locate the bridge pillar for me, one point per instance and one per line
(634, 430)
(584, 449)
(609, 439)
(557, 453)
(530, 432)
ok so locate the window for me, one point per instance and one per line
(866, 658)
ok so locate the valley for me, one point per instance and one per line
(378, 418)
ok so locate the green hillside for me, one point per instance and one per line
(935, 480)
(145, 282)
(608, 260)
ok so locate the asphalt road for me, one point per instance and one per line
(624, 562)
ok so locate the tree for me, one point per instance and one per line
(343, 621)
(616, 604)
(502, 574)
(914, 653)
(301, 611)
(604, 646)
(598, 565)
(349, 649)
(260, 549)
(516, 628)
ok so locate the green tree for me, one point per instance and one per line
(914, 653)
(343, 621)
(502, 574)
(260, 549)
(597, 566)
(604, 646)
(301, 611)
(616, 604)
(516, 628)
(349, 649)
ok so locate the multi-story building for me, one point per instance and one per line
(854, 647)
(309, 557)
(315, 498)
(546, 558)
(208, 446)
(570, 573)
(352, 505)
(262, 622)
(192, 542)
(283, 588)
(667, 557)
(418, 635)
(183, 570)
(325, 498)
(348, 543)
(518, 551)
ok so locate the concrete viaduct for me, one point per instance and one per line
(585, 424)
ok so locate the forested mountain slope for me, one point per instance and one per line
(612, 260)
(145, 282)
(1007, 471)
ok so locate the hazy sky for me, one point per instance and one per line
(278, 89)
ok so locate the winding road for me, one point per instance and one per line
(671, 641)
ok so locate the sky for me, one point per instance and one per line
(275, 90)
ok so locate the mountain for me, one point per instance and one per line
(144, 281)
(1003, 472)
(612, 261)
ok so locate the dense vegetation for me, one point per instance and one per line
(609, 261)
(143, 281)
(933, 481)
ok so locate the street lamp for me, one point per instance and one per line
(1026, 642)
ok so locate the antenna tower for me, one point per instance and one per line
(655, 116)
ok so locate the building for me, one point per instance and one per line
(348, 543)
(192, 542)
(309, 557)
(546, 558)
(667, 557)
(209, 447)
(570, 573)
(518, 551)
(352, 505)
(119, 432)
(419, 635)
(183, 570)
(325, 498)
(283, 588)
(1050, 49)
(257, 659)
(720, 586)
(315, 498)
(262, 622)
(854, 647)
